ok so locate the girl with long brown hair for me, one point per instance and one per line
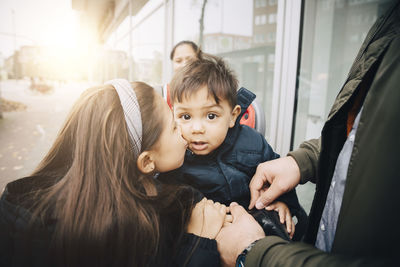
(94, 201)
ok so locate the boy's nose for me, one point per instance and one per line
(197, 127)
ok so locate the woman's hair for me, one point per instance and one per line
(194, 46)
(107, 213)
(210, 71)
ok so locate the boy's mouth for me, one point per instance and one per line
(198, 146)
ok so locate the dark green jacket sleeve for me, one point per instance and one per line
(274, 251)
(307, 156)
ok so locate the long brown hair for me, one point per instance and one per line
(107, 212)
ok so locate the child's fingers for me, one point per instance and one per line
(229, 218)
(199, 207)
(292, 232)
(226, 224)
(222, 209)
(215, 209)
(282, 215)
(202, 202)
(289, 222)
(214, 218)
(217, 205)
(271, 206)
(196, 221)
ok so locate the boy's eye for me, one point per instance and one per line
(185, 117)
(211, 116)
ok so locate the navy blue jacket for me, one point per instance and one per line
(224, 174)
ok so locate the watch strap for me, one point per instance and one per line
(242, 256)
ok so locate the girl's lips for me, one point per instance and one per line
(198, 146)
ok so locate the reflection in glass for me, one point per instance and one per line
(333, 32)
(242, 32)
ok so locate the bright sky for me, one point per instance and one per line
(37, 22)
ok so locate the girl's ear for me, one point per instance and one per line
(235, 113)
(145, 162)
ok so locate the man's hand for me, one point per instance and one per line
(272, 179)
(236, 236)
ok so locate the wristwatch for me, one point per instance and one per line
(242, 256)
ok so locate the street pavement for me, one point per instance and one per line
(26, 136)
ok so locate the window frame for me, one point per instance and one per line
(285, 74)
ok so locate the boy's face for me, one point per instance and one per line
(204, 123)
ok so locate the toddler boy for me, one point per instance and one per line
(222, 155)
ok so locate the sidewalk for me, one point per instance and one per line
(25, 136)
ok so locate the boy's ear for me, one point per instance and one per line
(235, 113)
(145, 162)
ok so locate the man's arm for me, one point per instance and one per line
(274, 251)
(307, 156)
(276, 177)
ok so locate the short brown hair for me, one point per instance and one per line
(210, 71)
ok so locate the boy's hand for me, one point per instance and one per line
(207, 218)
(214, 218)
(284, 215)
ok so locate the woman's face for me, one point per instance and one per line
(182, 55)
(169, 150)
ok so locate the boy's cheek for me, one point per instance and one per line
(185, 130)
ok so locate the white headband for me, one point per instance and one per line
(131, 108)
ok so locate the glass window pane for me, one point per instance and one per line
(186, 22)
(254, 61)
(242, 32)
(148, 47)
(333, 32)
(139, 50)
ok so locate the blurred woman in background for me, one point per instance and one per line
(182, 53)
